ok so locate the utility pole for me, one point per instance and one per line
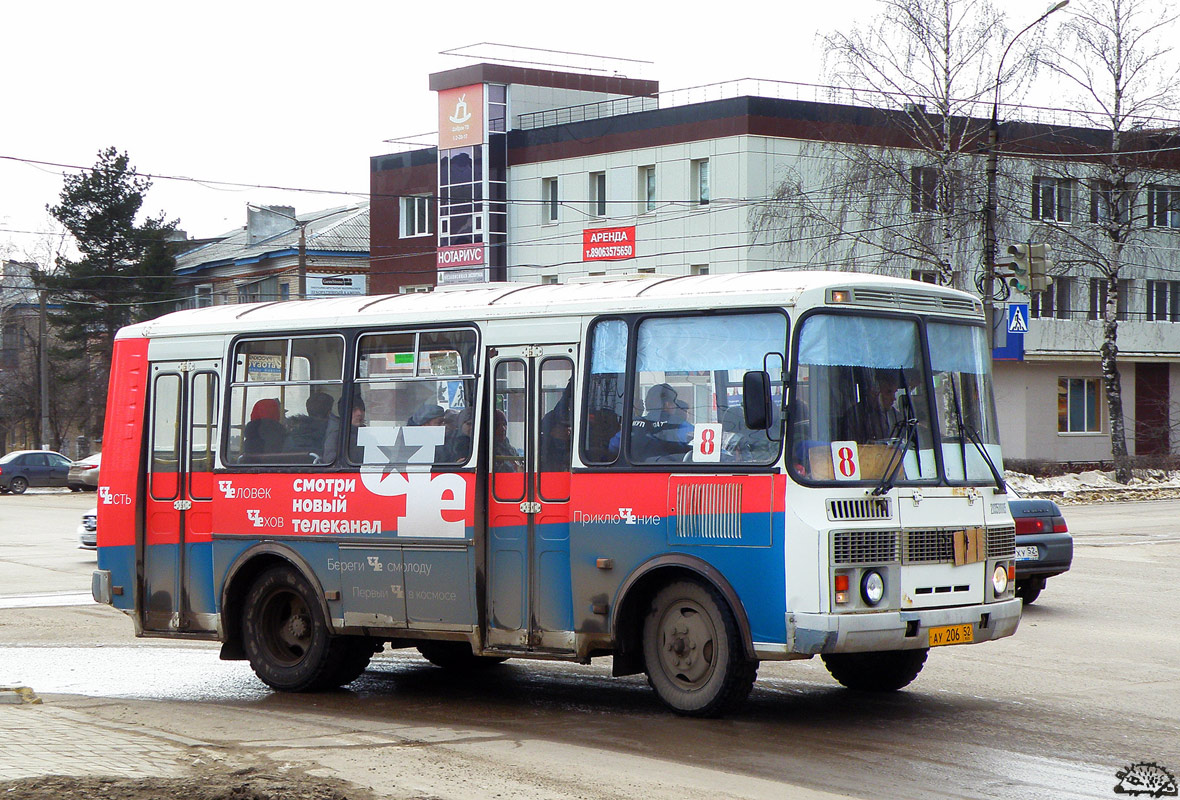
(989, 218)
(43, 336)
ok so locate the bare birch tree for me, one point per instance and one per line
(916, 202)
(1115, 54)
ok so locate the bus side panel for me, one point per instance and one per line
(397, 547)
(118, 490)
(632, 517)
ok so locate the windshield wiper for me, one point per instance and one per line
(975, 439)
(903, 435)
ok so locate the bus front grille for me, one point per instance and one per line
(928, 547)
(864, 547)
(1001, 542)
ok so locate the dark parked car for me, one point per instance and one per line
(84, 473)
(1044, 547)
(24, 468)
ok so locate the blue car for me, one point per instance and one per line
(21, 469)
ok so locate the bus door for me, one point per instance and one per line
(529, 438)
(176, 557)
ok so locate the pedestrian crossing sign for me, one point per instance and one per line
(1018, 318)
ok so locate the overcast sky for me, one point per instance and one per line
(300, 95)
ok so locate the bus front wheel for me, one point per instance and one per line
(287, 638)
(693, 651)
(887, 671)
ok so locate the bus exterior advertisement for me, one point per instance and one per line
(566, 472)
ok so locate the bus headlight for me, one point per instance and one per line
(872, 587)
(1000, 579)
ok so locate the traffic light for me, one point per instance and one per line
(1021, 267)
(1039, 262)
(1030, 267)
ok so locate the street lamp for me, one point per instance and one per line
(989, 220)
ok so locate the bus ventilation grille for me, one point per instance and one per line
(1001, 542)
(709, 511)
(864, 547)
(859, 509)
(915, 301)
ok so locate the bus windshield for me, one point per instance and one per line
(868, 401)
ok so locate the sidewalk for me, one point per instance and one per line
(38, 739)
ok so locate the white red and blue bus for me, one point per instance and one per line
(688, 474)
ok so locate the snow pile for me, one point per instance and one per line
(1096, 486)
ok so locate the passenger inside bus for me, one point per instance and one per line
(556, 435)
(506, 456)
(602, 432)
(874, 417)
(264, 433)
(306, 432)
(663, 433)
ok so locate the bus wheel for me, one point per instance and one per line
(456, 656)
(693, 652)
(285, 635)
(876, 672)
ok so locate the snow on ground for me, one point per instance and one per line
(1095, 486)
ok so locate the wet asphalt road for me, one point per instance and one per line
(1089, 685)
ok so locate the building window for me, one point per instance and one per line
(923, 189)
(924, 275)
(646, 270)
(699, 269)
(1052, 199)
(1077, 405)
(415, 289)
(548, 280)
(1103, 199)
(1098, 295)
(1163, 301)
(701, 192)
(203, 296)
(598, 194)
(497, 107)
(415, 215)
(1053, 303)
(460, 196)
(284, 291)
(1163, 207)
(549, 199)
(647, 189)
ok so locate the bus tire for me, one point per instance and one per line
(456, 656)
(693, 651)
(286, 637)
(886, 671)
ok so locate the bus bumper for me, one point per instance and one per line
(814, 634)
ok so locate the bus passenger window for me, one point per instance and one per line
(282, 400)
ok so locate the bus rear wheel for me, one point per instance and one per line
(876, 672)
(693, 651)
(287, 638)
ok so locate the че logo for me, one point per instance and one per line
(110, 498)
(256, 517)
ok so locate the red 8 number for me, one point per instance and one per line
(708, 437)
(847, 465)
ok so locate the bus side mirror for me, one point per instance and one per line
(756, 400)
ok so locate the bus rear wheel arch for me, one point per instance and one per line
(288, 641)
(693, 650)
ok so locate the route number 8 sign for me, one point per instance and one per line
(845, 461)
